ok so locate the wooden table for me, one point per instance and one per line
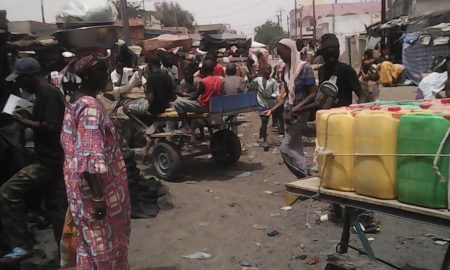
(310, 187)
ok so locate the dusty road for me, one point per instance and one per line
(229, 218)
(232, 206)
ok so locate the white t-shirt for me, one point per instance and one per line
(126, 76)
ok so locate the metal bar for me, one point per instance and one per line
(345, 236)
(390, 155)
(446, 263)
(363, 239)
(438, 221)
(198, 154)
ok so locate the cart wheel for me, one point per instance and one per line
(167, 161)
(225, 147)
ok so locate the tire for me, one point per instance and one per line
(167, 161)
(225, 147)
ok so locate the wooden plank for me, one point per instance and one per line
(169, 134)
(312, 184)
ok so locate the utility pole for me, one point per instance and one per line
(288, 26)
(296, 21)
(278, 20)
(314, 21)
(383, 19)
(124, 14)
(383, 11)
(42, 11)
(334, 16)
(281, 19)
(176, 19)
(301, 22)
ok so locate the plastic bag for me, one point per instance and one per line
(87, 12)
(69, 242)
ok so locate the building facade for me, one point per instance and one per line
(342, 19)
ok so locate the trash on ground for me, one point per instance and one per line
(332, 258)
(238, 174)
(255, 144)
(275, 215)
(312, 261)
(323, 218)
(232, 204)
(268, 192)
(209, 190)
(286, 208)
(371, 239)
(258, 245)
(273, 233)
(246, 262)
(203, 224)
(241, 135)
(259, 227)
(301, 257)
(199, 255)
(437, 239)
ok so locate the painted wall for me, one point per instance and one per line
(346, 26)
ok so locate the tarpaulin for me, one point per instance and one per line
(418, 58)
(167, 42)
(225, 40)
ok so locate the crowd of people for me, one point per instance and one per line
(76, 143)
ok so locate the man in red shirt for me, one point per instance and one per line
(218, 68)
(198, 102)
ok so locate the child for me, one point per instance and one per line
(268, 90)
(232, 84)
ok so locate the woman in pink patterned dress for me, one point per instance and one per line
(95, 174)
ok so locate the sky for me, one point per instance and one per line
(242, 15)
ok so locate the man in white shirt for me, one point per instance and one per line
(124, 79)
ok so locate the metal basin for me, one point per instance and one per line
(94, 37)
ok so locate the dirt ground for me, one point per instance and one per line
(232, 208)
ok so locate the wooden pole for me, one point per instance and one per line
(126, 27)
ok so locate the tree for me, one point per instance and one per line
(269, 33)
(172, 14)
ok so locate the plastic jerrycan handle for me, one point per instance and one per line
(394, 109)
(448, 186)
(425, 105)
